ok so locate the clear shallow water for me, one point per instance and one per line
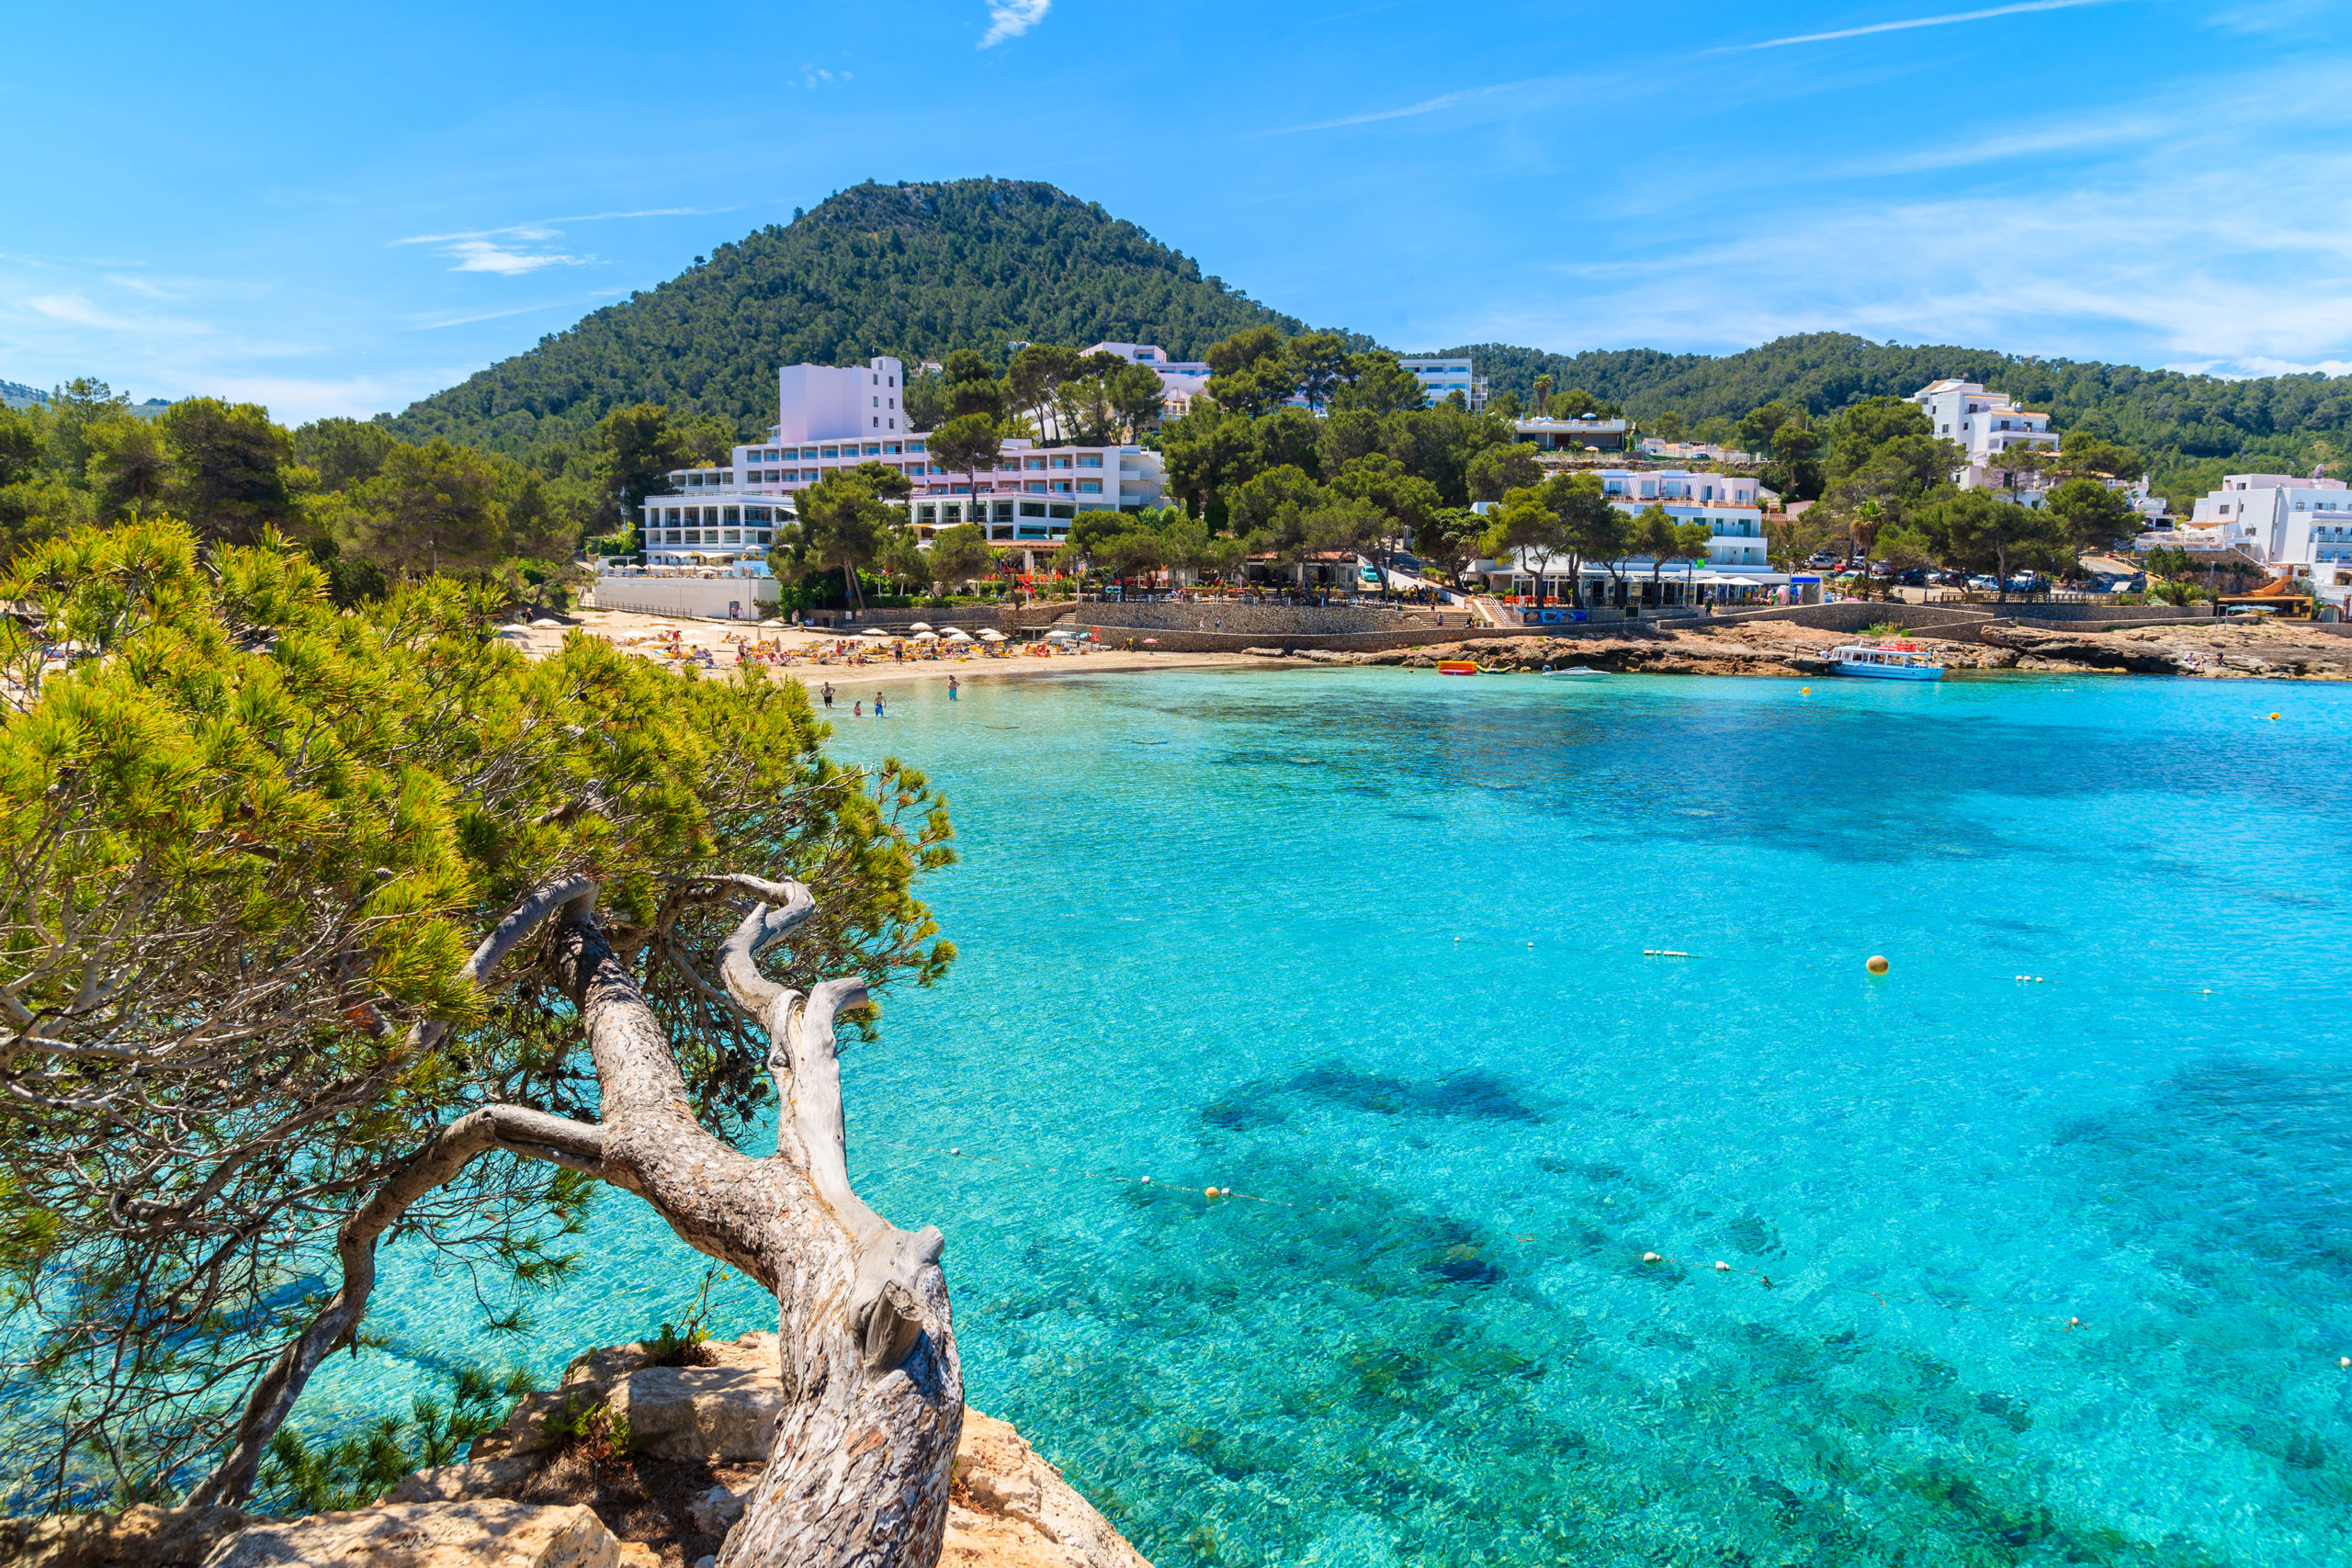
(1274, 932)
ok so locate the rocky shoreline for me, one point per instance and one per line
(533, 1494)
(2272, 650)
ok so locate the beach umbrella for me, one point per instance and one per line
(548, 621)
(990, 634)
(1151, 642)
(919, 627)
(926, 636)
(955, 636)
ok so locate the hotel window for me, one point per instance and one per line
(951, 513)
(832, 452)
(1035, 487)
(1033, 508)
(733, 515)
(1061, 511)
(891, 446)
(1090, 487)
(1089, 462)
(1034, 463)
(1061, 487)
(673, 517)
(732, 537)
(1004, 511)
(874, 449)
(765, 537)
(1061, 462)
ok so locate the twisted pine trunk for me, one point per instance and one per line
(874, 1395)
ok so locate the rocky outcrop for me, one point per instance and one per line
(518, 1501)
(2279, 650)
(1012, 1509)
(136, 1538)
(490, 1533)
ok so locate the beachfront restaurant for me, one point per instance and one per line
(1680, 584)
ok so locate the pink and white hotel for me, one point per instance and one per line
(830, 418)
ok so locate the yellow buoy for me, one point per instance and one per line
(1877, 965)
(2274, 715)
(1805, 691)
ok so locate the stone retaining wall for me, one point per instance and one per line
(1175, 640)
(1263, 620)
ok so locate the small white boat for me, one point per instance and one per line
(1884, 662)
(1576, 672)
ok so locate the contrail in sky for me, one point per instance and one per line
(1985, 14)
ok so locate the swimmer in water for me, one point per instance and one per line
(857, 710)
(828, 694)
(951, 688)
(878, 704)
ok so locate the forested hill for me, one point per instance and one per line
(2178, 420)
(910, 270)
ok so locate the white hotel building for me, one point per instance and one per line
(1986, 424)
(830, 419)
(1737, 551)
(2295, 527)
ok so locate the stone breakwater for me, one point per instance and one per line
(528, 1497)
(2276, 650)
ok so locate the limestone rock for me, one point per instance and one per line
(141, 1536)
(716, 1511)
(728, 1412)
(481, 1534)
(459, 1482)
(1013, 1510)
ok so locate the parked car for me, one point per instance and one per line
(1983, 584)
(1913, 577)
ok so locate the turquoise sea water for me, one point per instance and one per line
(1370, 943)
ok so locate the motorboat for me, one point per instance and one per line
(1576, 672)
(1884, 662)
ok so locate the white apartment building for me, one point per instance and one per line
(830, 419)
(1690, 452)
(1551, 435)
(1447, 373)
(2295, 527)
(1180, 381)
(1986, 424)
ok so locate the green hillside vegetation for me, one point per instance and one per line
(2190, 427)
(372, 509)
(909, 270)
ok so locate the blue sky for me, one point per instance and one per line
(339, 209)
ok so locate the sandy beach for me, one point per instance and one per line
(851, 674)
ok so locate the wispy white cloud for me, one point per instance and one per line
(2022, 9)
(75, 310)
(2077, 259)
(436, 322)
(1011, 18)
(486, 255)
(1427, 105)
